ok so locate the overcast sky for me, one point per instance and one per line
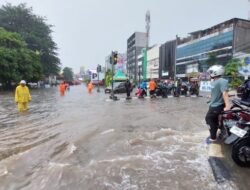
(86, 31)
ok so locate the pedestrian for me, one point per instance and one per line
(219, 99)
(152, 88)
(90, 87)
(66, 86)
(128, 88)
(246, 90)
(22, 96)
(62, 88)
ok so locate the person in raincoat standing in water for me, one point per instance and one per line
(22, 96)
(62, 88)
(90, 87)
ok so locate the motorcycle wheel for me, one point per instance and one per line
(241, 152)
(164, 94)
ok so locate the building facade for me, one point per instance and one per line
(153, 62)
(167, 60)
(140, 67)
(227, 40)
(135, 44)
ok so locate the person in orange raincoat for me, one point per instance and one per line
(152, 88)
(62, 88)
(22, 96)
(90, 87)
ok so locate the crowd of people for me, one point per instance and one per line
(170, 87)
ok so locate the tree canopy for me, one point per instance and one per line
(68, 74)
(16, 60)
(212, 59)
(36, 33)
(232, 70)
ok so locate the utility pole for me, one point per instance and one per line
(98, 71)
(148, 20)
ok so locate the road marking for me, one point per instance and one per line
(214, 150)
(216, 161)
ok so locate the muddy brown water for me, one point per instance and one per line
(85, 141)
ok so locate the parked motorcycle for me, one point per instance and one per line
(235, 129)
(241, 148)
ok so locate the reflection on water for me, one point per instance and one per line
(82, 141)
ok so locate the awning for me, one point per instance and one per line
(120, 76)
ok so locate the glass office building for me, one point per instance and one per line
(193, 52)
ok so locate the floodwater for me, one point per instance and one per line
(84, 141)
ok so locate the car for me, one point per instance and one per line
(108, 89)
(120, 88)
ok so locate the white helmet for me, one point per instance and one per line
(216, 70)
(22, 82)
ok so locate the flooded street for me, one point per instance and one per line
(84, 141)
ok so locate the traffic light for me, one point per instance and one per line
(99, 68)
(114, 57)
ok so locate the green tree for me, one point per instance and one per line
(212, 59)
(231, 70)
(36, 33)
(68, 74)
(16, 60)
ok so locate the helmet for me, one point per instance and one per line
(216, 70)
(22, 82)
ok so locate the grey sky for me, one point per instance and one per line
(86, 31)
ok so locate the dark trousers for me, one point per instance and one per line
(212, 119)
(128, 92)
(152, 92)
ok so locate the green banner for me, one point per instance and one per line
(145, 63)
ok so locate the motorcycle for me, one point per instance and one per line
(241, 148)
(235, 129)
(161, 90)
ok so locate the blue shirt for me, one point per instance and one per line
(218, 86)
(143, 85)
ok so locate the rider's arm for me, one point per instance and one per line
(226, 100)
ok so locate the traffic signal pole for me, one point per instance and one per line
(113, 61)
(112, 83)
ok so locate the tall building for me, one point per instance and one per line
(153, 62)
(230, 39)
(167, 60)
(135, 43)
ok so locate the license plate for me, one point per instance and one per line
(238, 131)
(230, 123)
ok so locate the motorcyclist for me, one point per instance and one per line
(177, 87)
(246, 92)
(143, 87)
(194, 89)
(152, 88)
(219, 99)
